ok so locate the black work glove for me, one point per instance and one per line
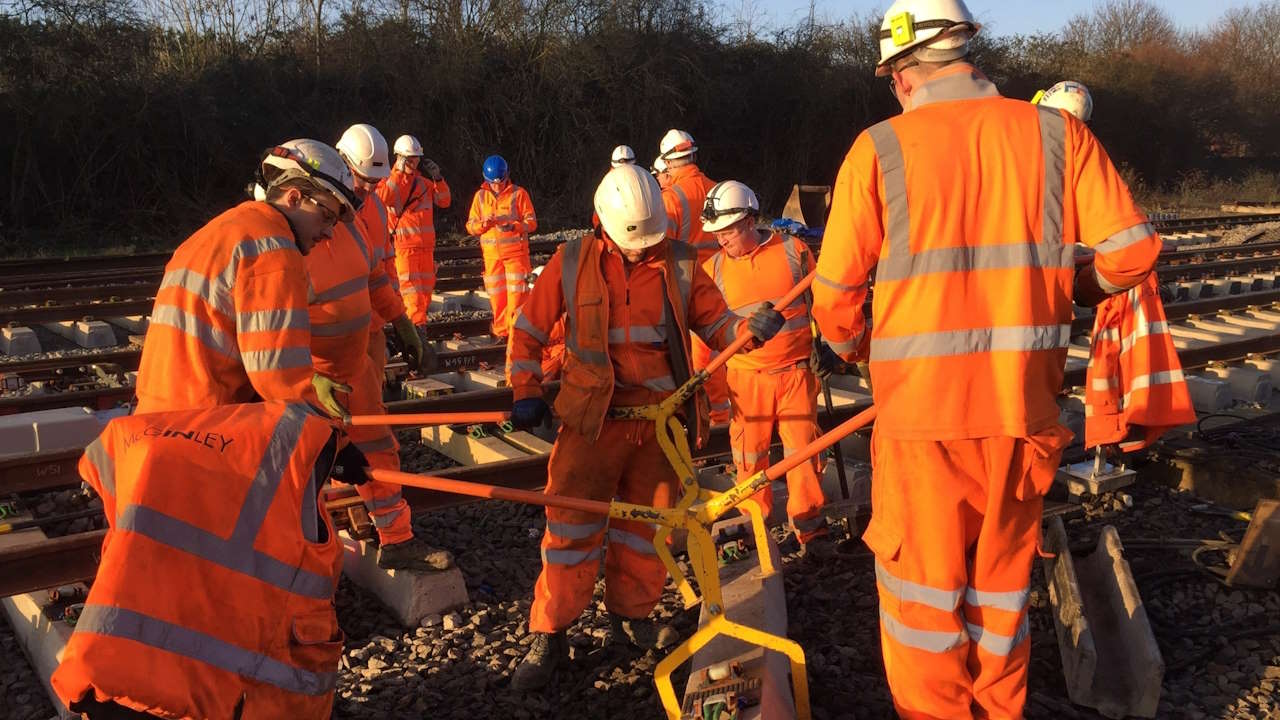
(1086, 292)
(349, 466)
(765, 322)
(826, 362)
(528, 413)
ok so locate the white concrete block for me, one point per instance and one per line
(1269, 366)
(1249, 385)
(1208, 394)
(85, 333)
(42, 640)
(487, 378)
(1223, 286)
(410, 595)
(45, 430)
(133, 324)
(19, 341)
(1191, 333)
(1263, 325)
(1225, 329)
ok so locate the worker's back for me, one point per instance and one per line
(968, 205)
(683, 199)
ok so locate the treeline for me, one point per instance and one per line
(143, 117)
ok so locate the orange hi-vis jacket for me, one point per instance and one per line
(1134, 380)
(764, 275)
(215, 591)
(968, 206)
(230, 319)
(510, 206)
(684, 199)
(411, 200)
(374, 221)
(619, 328)
(344, 273)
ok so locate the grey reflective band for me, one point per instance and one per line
(524, 323)
(638, 334)
(380, 281)
(981, 257)
(570, 557)
(1021, 338)
(799, 322)
(717, 271)
(532, 367)
(309, 514)
(1125, 238)
(222, 283)
(360, 243)
(204, 648)
(576, 531)
(686, 260)
(281, 358)
(342, 289)
(790, 246)
(844, 347)
(342, 327)
(1011, 601)
(934, 641)
(198, 285)
(387, 442)
(591, 357)
(907, 591)
(660, 384)
(995, 643)
(684, 231)
(102, 463)
(893, 170)
(415, 230)
(1053, 146)
(961, 86)
(709, 332)
(570, 253)
(382, 522)
(384, 503)
(838, 286)
(1107, 286)
(631, 541)
(188, 324)
(381, 208)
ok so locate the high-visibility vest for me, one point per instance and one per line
(764, 275)
(684, 199)
(373, 218)
(509, 206)
(215, 591)
(411, 200)
(230, 319)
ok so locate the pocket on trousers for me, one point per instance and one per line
(883, 539)
(315, 641)
(1040, 455)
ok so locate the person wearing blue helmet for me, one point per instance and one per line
(502, 217)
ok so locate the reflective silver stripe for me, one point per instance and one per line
(198, 285)
(1125, 238)
(381, 444)
(799, 322)
(907, 591)
(210, 336)
(982, 257)
(685, 229)
(342, 289)
(415, 230)
(530, 366)
(964, 86)
(1143, 382)
(632, 541)
(717, 271)
(342, 327)
(380, 207)
(276, 358)
(310, 515)
(1107, 286)
(660, 384)
(237, 552)
(686, 262)
(380, 281)
(360, 243)
(570, 557)
(726, 405)
(525, 324)
(382, 522)
(204, 648)
(221, 284)
(837, 286)
(1020, 338)
(593, 357)
(843, 348)
(639, 334)
(751, 457)
(389, 501)
(791, 247)
(998, 644)
(1012, 600)
(1053, 147)
(102, 463)
(576, 531)
(892, 169)
(709, 332)
(934, 641)
(272, 320)
(409, 289)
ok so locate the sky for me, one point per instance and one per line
(1003, 17)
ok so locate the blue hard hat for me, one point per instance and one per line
(495, 168)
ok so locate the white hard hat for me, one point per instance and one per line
(659, 165)
(676, 144)
(1067, 95)
(314, 161)
(622, 155)
(365, 150)
(629, 205)
(728, 202)
(932, 30)
(409, 146)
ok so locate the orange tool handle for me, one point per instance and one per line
(737, 345)
(807, 452)
(459, 418)
(480, 490)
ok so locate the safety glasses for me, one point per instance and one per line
(327, 214)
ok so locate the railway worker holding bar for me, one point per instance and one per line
(412, 192)
(630, 297)
(775, 383)
(968, 206)
(502, 217)
(230, 319)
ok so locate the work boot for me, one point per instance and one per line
(643, 633)
(414, 554)
(547, 653)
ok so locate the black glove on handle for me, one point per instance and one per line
(350, 465)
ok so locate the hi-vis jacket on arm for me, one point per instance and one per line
(978, 283)
(411, 200)
(214, 597)
(230, 320)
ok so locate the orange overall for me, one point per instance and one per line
(503, 221)
(374, 219)
(967, 206)
(411, 199)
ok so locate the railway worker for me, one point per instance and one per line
(412, 192)
(968, 206)
(629, 350)
(659, 172)
(774, 384)
(230, 319)
(350, 289)
(502, 217)
(1067, 95)
(622, 155)
(683, 196)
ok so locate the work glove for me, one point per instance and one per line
(529, 412)
(1086, 292)
(422, 359)
(349, 466)
(765, 322)
(826, 362)
(326, 387)
(430, 169)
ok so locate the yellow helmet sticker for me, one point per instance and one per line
(902, 28)
(1038, 97)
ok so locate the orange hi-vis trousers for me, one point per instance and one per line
(416, 271)
(716, 386)
(387, 508)
(627, 463)
(788, 398)
(955, 528)
(506, 280)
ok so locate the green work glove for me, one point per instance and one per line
(421, 358)
(325, 389)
